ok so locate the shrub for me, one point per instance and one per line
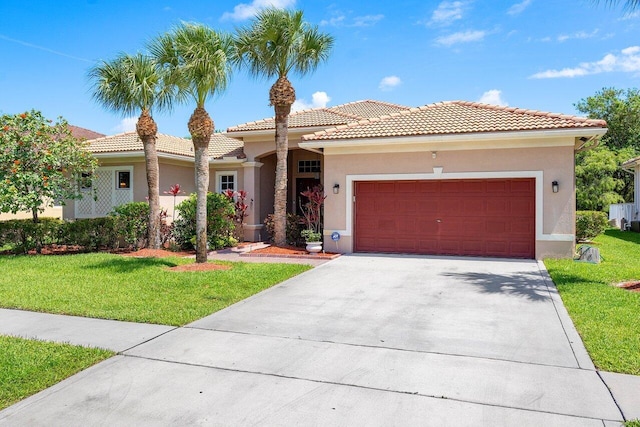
(220, 225)
(590, 224)
(91, 233)
(295, 225)
(24, 234)
(132, 222)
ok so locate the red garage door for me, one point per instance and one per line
(479, 217)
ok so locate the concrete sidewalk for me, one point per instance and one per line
(364, 340)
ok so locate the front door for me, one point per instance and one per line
(302, 184)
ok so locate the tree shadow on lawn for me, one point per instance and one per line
(627, 236)
(128, 265)
(520, 284)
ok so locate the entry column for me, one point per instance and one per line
(252, 224)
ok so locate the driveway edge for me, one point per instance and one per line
(577, 346)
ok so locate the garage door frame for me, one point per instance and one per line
(438, 174)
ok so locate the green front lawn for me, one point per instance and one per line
(607, 318)
(134, 289)
(29, 366)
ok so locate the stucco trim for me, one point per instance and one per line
(439, 175)
(464, 137)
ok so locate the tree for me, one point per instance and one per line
(40, 163)
(126, 85)
(197, 61)
(629, 5)
(599, 179)
(276, 43)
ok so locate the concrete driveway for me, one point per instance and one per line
(362, 340)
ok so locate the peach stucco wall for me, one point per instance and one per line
(171, 172)
(547, 164)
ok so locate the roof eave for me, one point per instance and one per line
(271, 131)
(590, 132)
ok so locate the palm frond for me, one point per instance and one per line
(128, 84)
(279, 41)
(196, 59)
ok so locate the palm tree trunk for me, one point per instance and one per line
(201, 129)
(202, 186)
(280, 198)
(147, 130)
(153, 186)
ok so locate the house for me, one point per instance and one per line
(633, 166)
(451, 178)
(121, 176)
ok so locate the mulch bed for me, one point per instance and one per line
(633, 286)
(290, 251)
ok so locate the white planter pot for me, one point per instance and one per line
(314, 247)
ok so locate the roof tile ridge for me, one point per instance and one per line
(115, 135)
(537, 113)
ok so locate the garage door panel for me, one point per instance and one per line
(493, 217)
(386, 187)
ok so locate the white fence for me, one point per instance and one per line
(623, 210)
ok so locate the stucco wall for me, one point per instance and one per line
(171, 172)
(554, 236)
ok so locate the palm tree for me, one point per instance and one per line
(629, 5)
(197, 61)
(128, 84)
(276, 43)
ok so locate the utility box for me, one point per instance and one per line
(635, 226)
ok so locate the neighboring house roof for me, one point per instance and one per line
(631, 163)
(326, 116)
(82, 133)
(453, 117)
(220, 145)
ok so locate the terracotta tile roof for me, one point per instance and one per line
(220, 145)
(453, 117)
(328, 116)
(82, 133)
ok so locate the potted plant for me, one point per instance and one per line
(312, 218)
(313, 240)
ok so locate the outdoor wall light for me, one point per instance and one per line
(336, 188)
(554, 186)
(434, 154)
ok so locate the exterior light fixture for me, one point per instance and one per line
(554, 186)
(434, 154)
(336, 188)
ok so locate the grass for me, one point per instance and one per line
(111, 286)
(607, 318)
(29, 366)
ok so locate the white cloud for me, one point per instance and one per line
(340, 20)
(630, 15)
(366, 20)
(518, 8)
(628, 61)
(461, 37)
(244, 11)
(493, 97)
(335, 21)
(578, 35)
(318, 100)
(126, 125)
(447, 12)
(389, 83)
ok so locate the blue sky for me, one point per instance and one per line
(534, 54)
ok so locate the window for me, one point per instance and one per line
(226, 181)
(85, 181)
(305, 166)
(123, 180)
